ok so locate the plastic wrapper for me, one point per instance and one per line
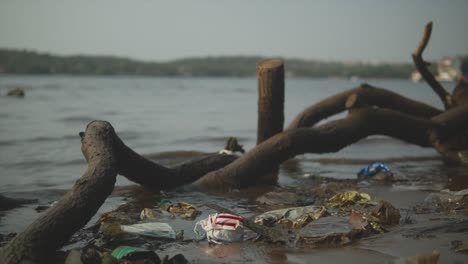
(153, 229)
(185, 210)
(221, 228)
(296, 217)
(349, 198)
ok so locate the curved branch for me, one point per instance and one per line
(156, 177)
(421, 65)
(329, 137)
(372, 95)
(53, 228)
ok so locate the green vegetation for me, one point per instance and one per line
(29, 62)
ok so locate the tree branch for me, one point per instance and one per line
(372, 96)
(329, 137)
(53, 228)
(421, 65)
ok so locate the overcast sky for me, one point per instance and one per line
(365, 30)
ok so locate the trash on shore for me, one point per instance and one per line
(386, 214)
(89, 255)
(148, 214)
(376, 171)
(448, 201)
(349, 198)
(17, 92)
(152, 229)
(185, 210)
(328, 231)
(297, 217)
(133, 253)
(221, 228)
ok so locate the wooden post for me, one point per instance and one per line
(270, 76)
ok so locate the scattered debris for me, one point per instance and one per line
(349, 198)
(296, 217)
(221, 228)
(133, 255)
(152, 229)
(386, 214)
(148, 214)
(447, 201)
(376, 171)
(16, 92)
(185, 210)
(328, 231)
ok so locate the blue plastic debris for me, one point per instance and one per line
(372, 169)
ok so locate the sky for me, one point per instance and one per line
(153, 30)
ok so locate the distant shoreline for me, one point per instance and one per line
(30, 62)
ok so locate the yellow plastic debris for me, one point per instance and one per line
(348, 198)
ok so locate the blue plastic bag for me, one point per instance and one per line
(372, 169)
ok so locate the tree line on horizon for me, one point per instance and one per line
(30, 62)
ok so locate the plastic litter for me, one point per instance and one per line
(153, 229)
(221, 228)
(132, 253)
(296, 217)
(349, 198)
(328, 231)
(387, 214)
(185, 210)
(148, 214)
(373, 169)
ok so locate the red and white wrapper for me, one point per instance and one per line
(221, 228)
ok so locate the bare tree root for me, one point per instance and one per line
(373, 96)
(329, 137)
(53, 228)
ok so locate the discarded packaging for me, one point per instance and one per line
(328, 231)
(349, 198)
(153, 229)
(185, 210)
(372, 169)
(148, 214)
(221, 228)
(387, 214)
(132, 253)
(111, 230)
(296, 217)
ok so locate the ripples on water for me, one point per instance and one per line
(39, 134)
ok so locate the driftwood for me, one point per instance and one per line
(371, 111)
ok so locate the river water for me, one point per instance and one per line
(40, 154)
